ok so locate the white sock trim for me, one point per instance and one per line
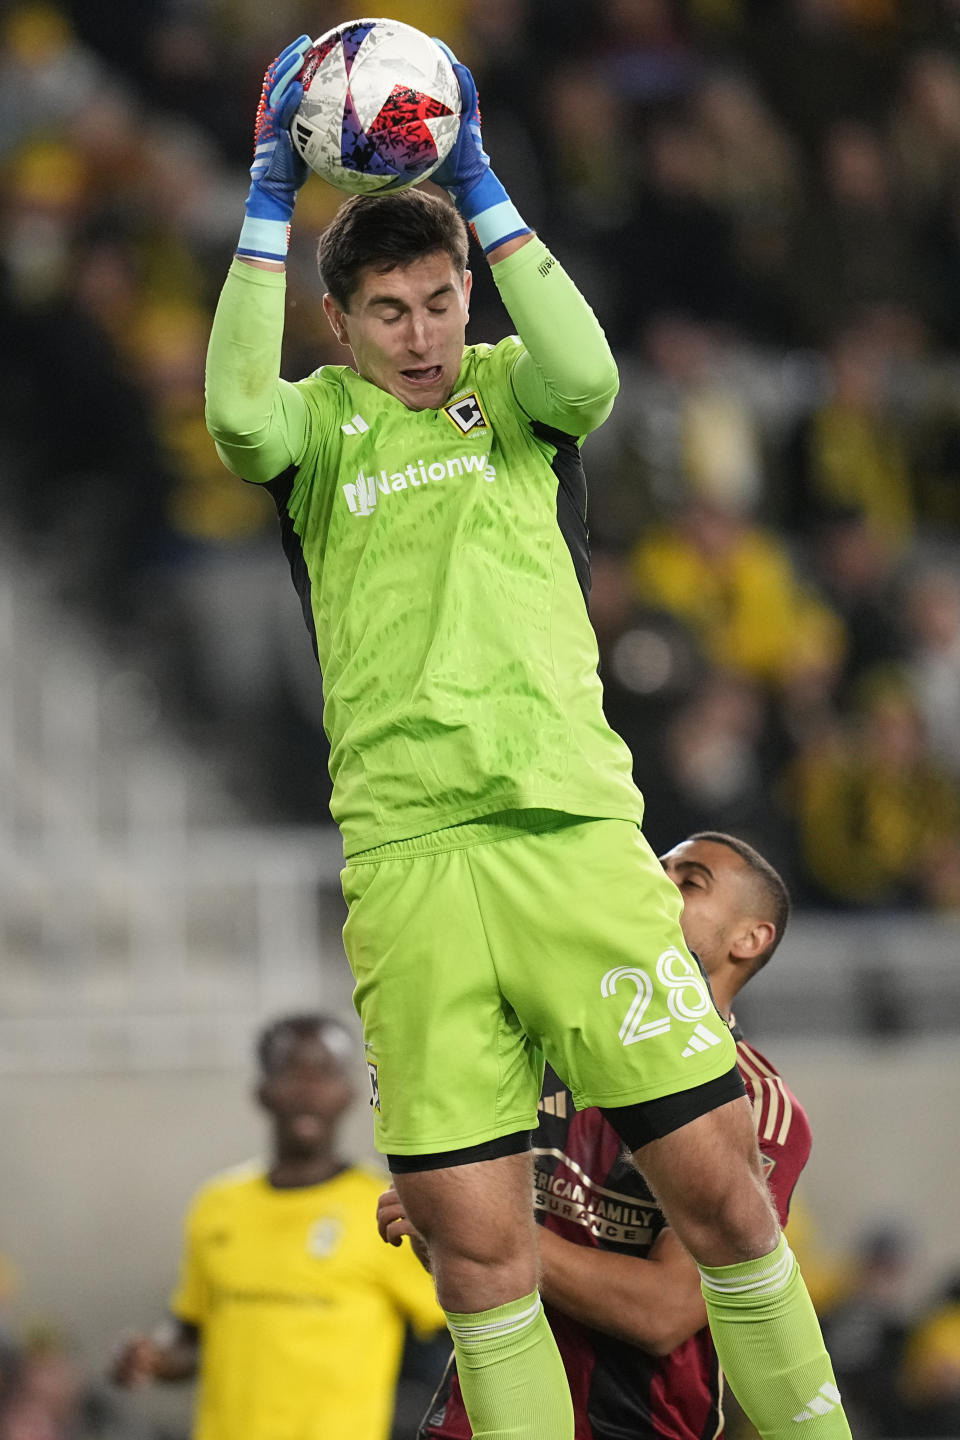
(771, 1279)
(495, 1329)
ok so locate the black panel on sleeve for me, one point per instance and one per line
(281, 488)
(567, 465)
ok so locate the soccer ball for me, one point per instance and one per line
(380, 108)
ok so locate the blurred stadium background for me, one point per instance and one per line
(762, 200)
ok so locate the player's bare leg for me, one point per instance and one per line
(707, 1176)
(709, 1179)
(478, 1223)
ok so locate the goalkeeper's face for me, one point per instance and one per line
(406, 328)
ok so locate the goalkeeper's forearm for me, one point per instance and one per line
(259, 422)
(568, 376)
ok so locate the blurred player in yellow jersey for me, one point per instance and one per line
(288, 1309)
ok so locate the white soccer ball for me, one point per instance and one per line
(380, 108)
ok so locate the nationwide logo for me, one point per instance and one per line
(466, 412)
(364, 492)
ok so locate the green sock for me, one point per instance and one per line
(770, 1347)
(511, 1375)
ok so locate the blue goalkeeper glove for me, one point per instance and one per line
(277, 171)
(466, 175)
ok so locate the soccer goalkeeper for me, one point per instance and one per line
(432, 505)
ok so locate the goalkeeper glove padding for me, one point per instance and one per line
(277, 171)
(466, 175)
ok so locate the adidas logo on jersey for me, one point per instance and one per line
(700, 1040)
(355, 426)
(362, 495)
(554, 1104)
(826, 1400)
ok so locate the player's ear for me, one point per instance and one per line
(467, 287)
(335, 315)
(753, 940)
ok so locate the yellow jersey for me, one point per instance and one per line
(301, 1308)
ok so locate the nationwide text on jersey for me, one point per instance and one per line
(361, 496)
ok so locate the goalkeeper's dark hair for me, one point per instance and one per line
(276, 1040)
(384, 231)
(769, 883)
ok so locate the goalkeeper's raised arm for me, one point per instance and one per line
(257, 420)
(568, 377)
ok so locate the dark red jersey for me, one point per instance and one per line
(587, 1190)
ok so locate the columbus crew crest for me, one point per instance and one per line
(324, 1236)
(466, 413)
(374, 1084)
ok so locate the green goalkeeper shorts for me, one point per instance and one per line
(480, 949)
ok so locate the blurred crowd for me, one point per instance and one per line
(46, 1392)
(761, 198)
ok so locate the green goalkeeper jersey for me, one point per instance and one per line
(441, 561)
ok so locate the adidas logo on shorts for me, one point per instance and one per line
(700, 1040)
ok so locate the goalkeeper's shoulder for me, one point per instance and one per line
(261, 423)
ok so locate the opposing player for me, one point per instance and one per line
(284, 1309)
(623, 1296)
(502, 900)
